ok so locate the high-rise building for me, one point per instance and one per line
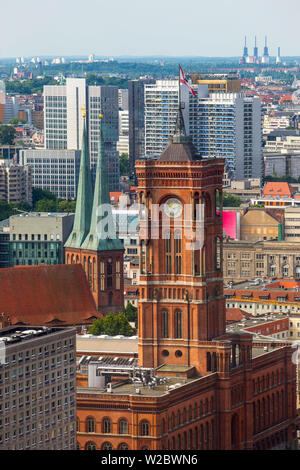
(229, 125)
(218, 83)
(220, 124)
(136, 106)
(93, 241)
(64, 106)
(37, 388)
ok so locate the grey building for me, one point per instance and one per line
(15, 182)
(282, 164)
(39, 237)
(136, 108)
(54, 170)
(37, 388)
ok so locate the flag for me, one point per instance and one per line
(183, 81)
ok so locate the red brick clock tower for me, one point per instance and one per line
(181, 304)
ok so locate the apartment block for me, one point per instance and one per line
(37, 389)
(15, 182)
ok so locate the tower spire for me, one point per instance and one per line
(82, 218)
(102, 234)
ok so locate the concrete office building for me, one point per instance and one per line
(64, 106)
(37, 389)
(38, 238)
(54, 170)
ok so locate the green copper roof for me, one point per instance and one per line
(83, 210)
(102, 235)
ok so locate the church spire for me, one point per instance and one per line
(102, 233)
(83, 210)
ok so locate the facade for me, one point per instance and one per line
(37, 389)
(244, 260)
(93, 243)
(282, 164)
(54, 170)
(230, 127)
(136, 109)
(4, 243)
(193, 386)
(15, 182)
(38, 238)
(289, 143)
(216, 84)
(292, 224)
(63, 123)
(262, 224)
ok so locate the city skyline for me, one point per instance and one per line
(190, 31)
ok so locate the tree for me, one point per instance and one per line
(7, 135)
(112, 325)
(66, 206)
(124, 164)
(97, 327)
(46, 205)
(131, 313)
(16, 121)
(229, 200)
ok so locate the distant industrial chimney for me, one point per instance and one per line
(255, 50)
(245, 54)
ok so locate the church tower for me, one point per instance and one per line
(181, 305)
(93, 241)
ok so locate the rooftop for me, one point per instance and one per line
(44, 295)
(12, 335)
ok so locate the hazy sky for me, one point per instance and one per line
(147, 27)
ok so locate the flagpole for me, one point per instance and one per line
(179, 97)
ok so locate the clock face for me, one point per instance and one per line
(173, 207)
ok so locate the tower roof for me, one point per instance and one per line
(83, 209)
(101, 235)
(180, 148)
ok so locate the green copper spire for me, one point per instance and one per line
(102, 235)
(83, 210)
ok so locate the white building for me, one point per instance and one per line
(220, 124)
(54, 170)
(229, 125)
(64, 108)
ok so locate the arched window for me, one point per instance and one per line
(77, 424)
(178, 324)
(106, 425)
(107, 446)
(184, 416)
(165, 324)
(145, 428)
(123, 426)
(90, 424)
(90, 446)
(168, 260)
(208, 361)
(123, 446)
(177, 244)
(178, 418)
(109, 272)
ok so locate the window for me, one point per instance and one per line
(90, 427)
(106, 425)
(107, 446)
(145, 429)
(165, 324)
(177, 242)
(168, 253)
(178, 324)
(90, 446)
(123, 426)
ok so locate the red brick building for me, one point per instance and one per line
(91, 242)
(207, 389)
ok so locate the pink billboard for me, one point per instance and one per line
(231, 224)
